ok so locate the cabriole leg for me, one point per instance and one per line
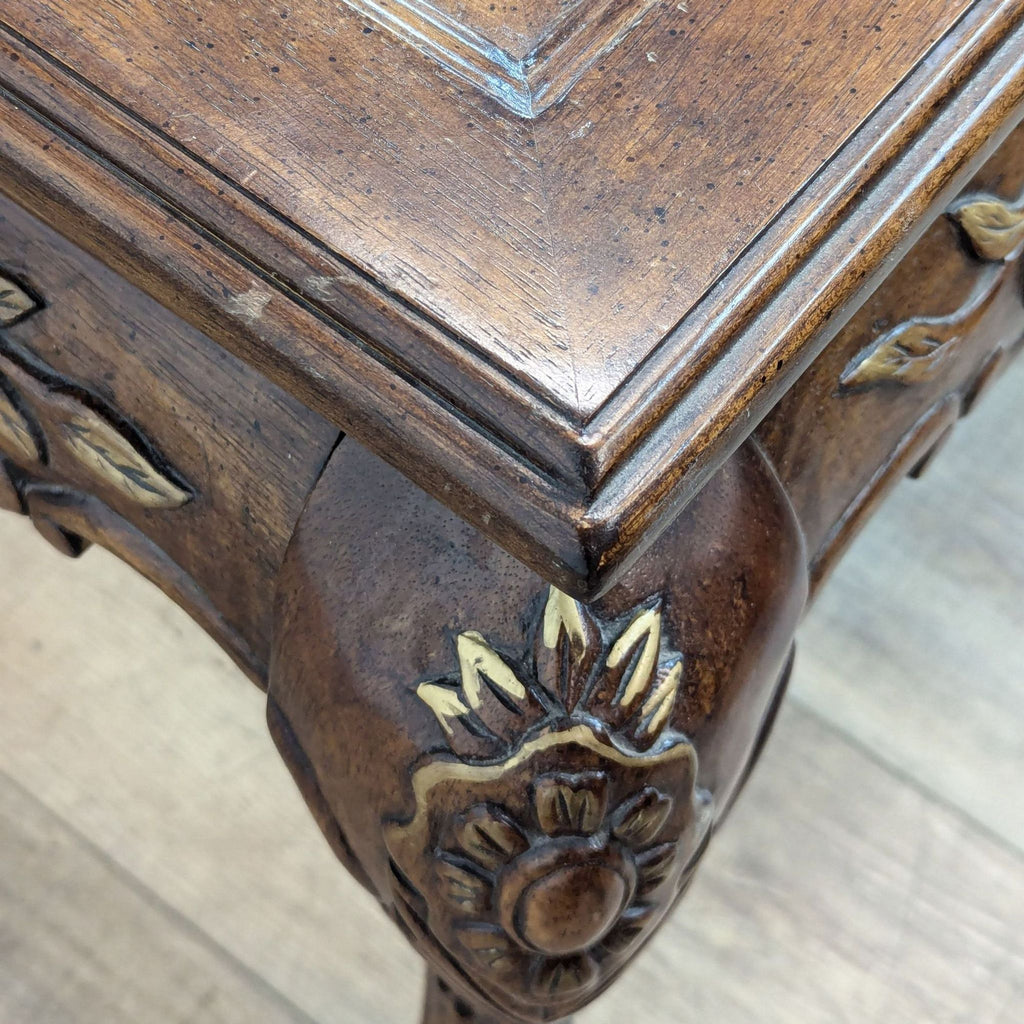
(526, 782)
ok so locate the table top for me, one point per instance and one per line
(554, 260)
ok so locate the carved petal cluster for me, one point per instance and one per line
(619, 672)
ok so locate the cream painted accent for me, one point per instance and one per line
(645, 627)
(15, 302)
(661, 700)
(111, 457)
(476, 658)
(16, 438)
(995, 229)
(439, 772)
(563, 613)
(444, 702)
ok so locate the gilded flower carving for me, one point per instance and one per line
(566, 815)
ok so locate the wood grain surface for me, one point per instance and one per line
(873, 871)
(561, 324)
(520, 235)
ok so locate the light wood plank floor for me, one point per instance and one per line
(156, 864)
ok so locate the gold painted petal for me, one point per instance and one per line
(910, 354)
(644, 632)
(17, 439)
(489, 837)
(562, 615)
(480, 664)
(994, 228)
(657, 708)
(654, 867)
(15, 303)
(567, 644)
(564, 978)
(490, 946)
(462, 887)
(640, 819)
(571, 804)
(444, 702)
(114, 460)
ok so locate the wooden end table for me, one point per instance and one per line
(496, 382)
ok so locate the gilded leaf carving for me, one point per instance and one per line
(636, 651)
(55, 430)
(114, 460)
(15, 302)
(494, 700)
(994, 229)
(908, 355)
(914, 352)
(17, 438)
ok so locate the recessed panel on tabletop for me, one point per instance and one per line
(562, 233)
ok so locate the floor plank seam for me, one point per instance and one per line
(906, 778)
(156, 902)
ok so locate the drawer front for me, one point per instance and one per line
(121, 424)
(916, 356)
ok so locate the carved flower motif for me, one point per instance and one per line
(545, 900)
(557, 832)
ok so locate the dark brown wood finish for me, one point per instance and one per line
(587, 364)
(527, 783)
(633, 313)
(139, 433)
(915, 357)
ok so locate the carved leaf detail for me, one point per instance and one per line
(15, 303)
(571, 804)
(561, 978)
(112, 458)
(461, 886)
(489, 707)
(641, 819)
(636, 654)
(916, 350)
(489, 838)
(993, 228)
(489, 944)
(444, 701)
(562, 614)
(17, 439)
(620, 673)
(634, 923)
(484, 670)
(657, 708)
(908, 355)
(655, 865)
(568, 643)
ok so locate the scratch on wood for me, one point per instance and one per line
(249, 306)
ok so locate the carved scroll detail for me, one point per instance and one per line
(565, 817)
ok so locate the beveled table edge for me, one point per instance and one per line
(552, 493)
